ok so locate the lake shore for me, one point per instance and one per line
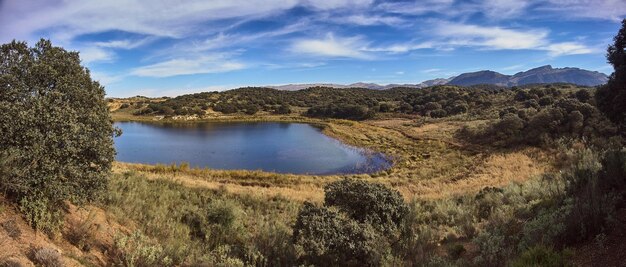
(428, 162)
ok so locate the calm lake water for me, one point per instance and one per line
(276, 147)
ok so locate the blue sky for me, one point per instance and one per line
(158, 47)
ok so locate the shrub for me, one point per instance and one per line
(137, 250)
(456, 251)
(543, 256)
(11, 228)
(55, 127)
(438, 113)
(283, 109)
(365, 202)
(82, 232)
(325, 237)
(342, 111)
(252, 109)
(47, 257)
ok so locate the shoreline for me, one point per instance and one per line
(325, 125)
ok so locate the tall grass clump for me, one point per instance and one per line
(201, 226)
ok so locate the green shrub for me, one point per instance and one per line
(542, 256)
(365, 202)
(137, 250)
(325, 237)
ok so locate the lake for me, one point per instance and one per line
(269, 146)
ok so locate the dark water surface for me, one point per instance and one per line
(277, 147)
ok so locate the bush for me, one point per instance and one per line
(252, 109)
(365, 202)
(325, 237)
(456, 251)
(47, 257)
(55, 128)
(343, 111)
(543, 256)
(137, 250)
(283, 109)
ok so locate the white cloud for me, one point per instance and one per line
(184, 66)
(401, 48)
(490, 37)
(417, 7)
(333, 4)
(368, 20)
(95, 54)
(613, 10)
(504, 8)
(567, 48)
(106, 79)
(125, 43)
(431, 70)
(331, 46)
(69, 18)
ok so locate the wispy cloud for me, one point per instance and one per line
(401, 47)
(369, 20)
(184, 66)
(498, 38)
(593, 9)
(125, 43)
(567, 48)
(416, 7)
(332, 47)
(490, 37)
(94, 54)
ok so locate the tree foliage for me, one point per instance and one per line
(611, 98)
(56, 130)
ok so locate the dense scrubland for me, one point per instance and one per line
(482, 176)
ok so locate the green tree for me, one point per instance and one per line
(611, 98)
(56, 131)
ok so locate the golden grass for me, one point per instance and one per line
(429, 163)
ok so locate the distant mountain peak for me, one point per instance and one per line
(543, 74)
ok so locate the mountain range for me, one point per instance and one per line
(544, 74)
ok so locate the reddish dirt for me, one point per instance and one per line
(18, 239)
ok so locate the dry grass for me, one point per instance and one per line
(428, 162)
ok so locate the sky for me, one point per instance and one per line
(169, 48)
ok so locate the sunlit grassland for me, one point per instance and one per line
(428, 162)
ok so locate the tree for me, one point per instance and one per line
(611, 98)
(56, 131)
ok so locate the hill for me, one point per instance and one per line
(544, 74)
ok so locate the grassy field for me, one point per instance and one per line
(428, 161)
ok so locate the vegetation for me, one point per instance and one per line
(482, 176)
(612, 97)
(57, 137)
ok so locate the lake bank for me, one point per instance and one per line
(279, 147)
